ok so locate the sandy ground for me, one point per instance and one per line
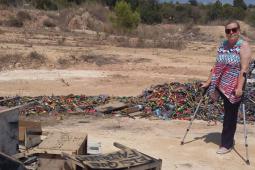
(122, 71)
(127, 71)
(161, 139)
(109, 69)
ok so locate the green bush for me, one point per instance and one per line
(150, 11)
(239, 4)
(125, 17)
(215, 11)
(9, 2)
(45, 4)
(238, 13)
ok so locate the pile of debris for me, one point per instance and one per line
(53, 105)
(167, 101)
(60, 150)
(179, 101)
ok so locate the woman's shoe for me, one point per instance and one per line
(223, 150)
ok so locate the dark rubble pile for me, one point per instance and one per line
(57, 104)
(167, 101)
(179, 101)
(176, 101)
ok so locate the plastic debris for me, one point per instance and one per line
(166, 101)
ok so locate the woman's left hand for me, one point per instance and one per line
(238, 92)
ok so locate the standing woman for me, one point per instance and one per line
(227, 80)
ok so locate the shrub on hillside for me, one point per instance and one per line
(8, 2)
(23, 15)
(98, 11)
(45, 4)
(150, 11)
(35, 56)
(14, 22)
(125, 17)
(48, 23)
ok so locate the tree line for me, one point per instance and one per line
(130, 12)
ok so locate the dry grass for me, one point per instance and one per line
(19, 60)
(98, 11)
(49, 23)
(100, 17)
(65, 62)
(217, 22)
(90, 58)
(23, 16)
(61, 41)
(99, 60)
(9, 61)
(157, 36)
(35, 56)
(13, 22)
(1, 31)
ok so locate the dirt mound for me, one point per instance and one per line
(67, 19)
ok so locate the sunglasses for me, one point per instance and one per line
(233, 30)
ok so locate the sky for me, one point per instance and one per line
(210, 1)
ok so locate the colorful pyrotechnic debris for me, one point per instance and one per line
(58, 104)
(167, 101)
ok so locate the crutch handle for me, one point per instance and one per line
(205, 89)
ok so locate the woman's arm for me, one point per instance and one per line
(208, 81)
(245, 55)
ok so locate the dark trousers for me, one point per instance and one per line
(229, 122)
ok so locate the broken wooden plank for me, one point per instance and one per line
(73, 159)
(132, 109)
(111, 107)
(29, 127)
(136, 114)
(10, 98)
(30, 133)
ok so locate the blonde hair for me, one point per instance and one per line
(233, 21)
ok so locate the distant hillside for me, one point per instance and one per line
(210, 1)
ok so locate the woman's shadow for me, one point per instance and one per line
(215, 138)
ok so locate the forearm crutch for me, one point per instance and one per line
(194, 115)
(244, 98)
(245, 134)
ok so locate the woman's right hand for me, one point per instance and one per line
(204, 84)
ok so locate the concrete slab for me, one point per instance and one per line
(58, 142)
(9, 130)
